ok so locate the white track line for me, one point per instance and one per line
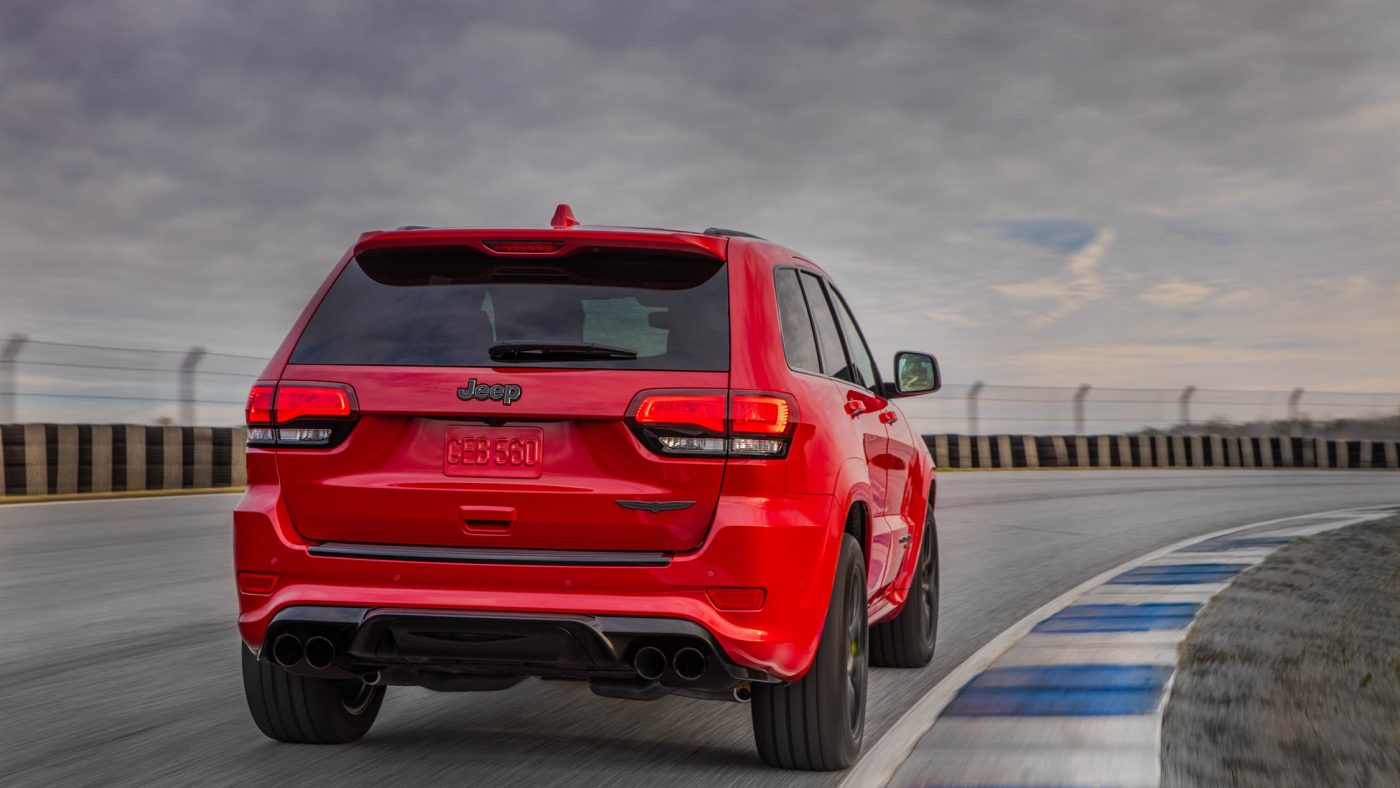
(880, 762)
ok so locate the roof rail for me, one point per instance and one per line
(736, 233)
(412, 227)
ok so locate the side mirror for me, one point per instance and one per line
(914, 373)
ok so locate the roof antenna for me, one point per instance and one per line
(563, 218)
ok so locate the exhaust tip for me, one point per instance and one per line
(649, 662)
(743, 693)
(286, 650)
(689, 663)
(320, 652)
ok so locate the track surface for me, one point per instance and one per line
(119, 656)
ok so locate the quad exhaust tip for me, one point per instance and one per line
(320, 652)
(650, 663)
(286, 650)
(689, 663)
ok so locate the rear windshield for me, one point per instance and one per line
(447, 307)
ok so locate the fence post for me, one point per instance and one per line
(1294, 429)
(1080, 395)
(972, 393)
(9, 386)
(1185, 403)
(187, 367)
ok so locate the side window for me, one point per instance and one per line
(828, 335)
(799, 339)
(855, 343)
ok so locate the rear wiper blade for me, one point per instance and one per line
(557, 351)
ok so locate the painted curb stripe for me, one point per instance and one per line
(1044, 677)
(1222, 545)
(1054, 703)
(1120, 618)
(1178, 574)
(1061, 691)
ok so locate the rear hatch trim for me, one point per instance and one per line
(489, 555)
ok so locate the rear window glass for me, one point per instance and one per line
(449, 306)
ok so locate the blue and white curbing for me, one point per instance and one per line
(1074, 693)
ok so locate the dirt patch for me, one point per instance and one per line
(1291, 676)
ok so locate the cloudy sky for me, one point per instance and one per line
(1125, 193)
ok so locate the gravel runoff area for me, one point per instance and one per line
(1291, 675)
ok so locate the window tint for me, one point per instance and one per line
(828, 335)
(799, 343)
(448, 306)
(860, 353)
(625, 322)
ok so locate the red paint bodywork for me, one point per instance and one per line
(773, 524)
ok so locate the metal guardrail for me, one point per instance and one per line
(42, 381)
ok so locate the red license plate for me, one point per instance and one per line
(493, 451)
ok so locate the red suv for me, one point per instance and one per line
(656, 461)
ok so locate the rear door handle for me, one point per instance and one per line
(487, 519)
(854, 407)
(906, 539)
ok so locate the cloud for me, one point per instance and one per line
(1234, 298)
(1128, 353)
(1176, 293)
(1349, 286)
(1080, 283)
(1061, 236)
(1199, 231)
(950, 316)
(1356, 286)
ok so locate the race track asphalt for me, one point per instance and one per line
(119, 663)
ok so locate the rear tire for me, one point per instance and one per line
(303, 710)
(907, 640)
(818, 721)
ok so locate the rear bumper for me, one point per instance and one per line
(785, 545)
(481, 650)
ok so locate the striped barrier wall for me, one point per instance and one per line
(61, 459)
(1158, 451)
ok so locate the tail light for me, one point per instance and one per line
(700, 410)
(706, 423)
(300, 415)
(259, 410)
